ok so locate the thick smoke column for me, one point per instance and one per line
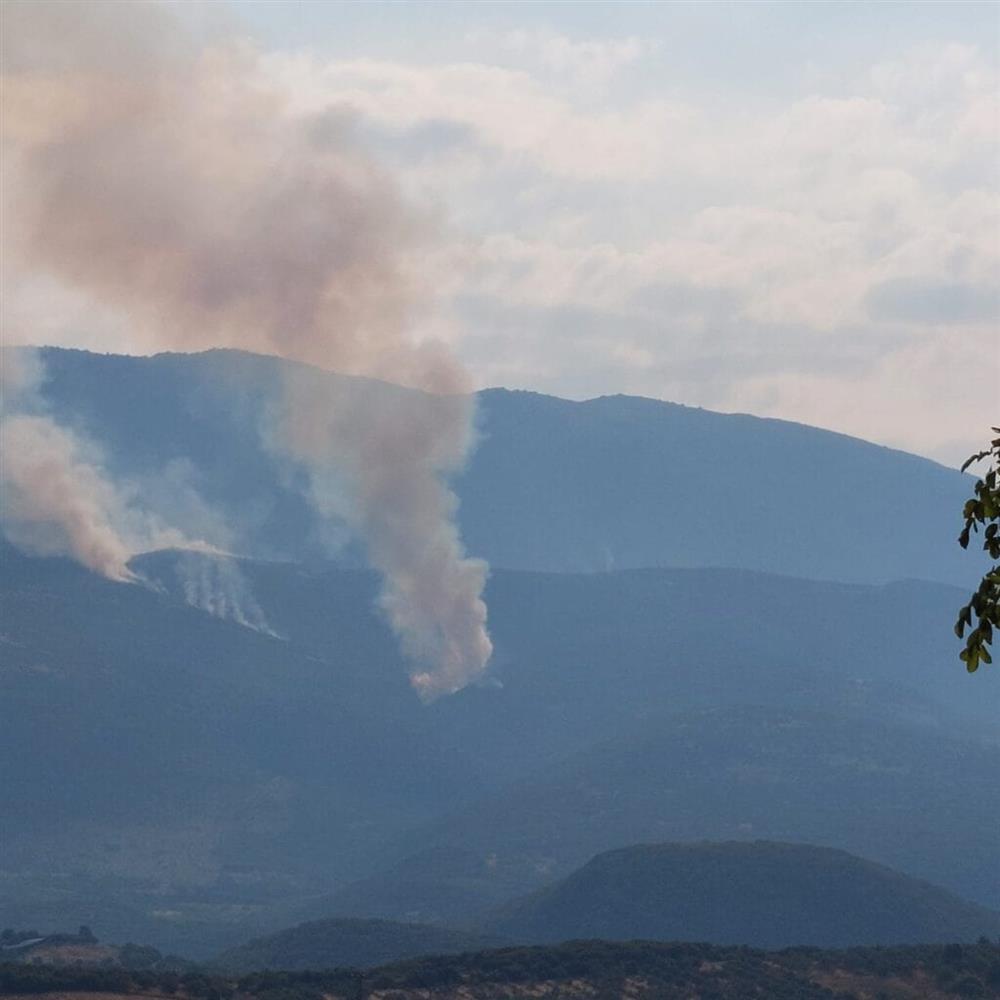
(174, 184)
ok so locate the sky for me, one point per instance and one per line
(783, 209)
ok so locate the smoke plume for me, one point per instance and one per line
(57, 502)
(54, 495)
(174, 183)
(58, 499)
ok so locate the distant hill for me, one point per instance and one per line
(748, 773)
(763, 894)
(328, 944)
(554, 485)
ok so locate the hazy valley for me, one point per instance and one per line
(289, 772)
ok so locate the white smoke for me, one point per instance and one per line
(214, 583)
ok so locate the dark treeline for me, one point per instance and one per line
(664, 969)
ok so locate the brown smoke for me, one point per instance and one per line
(174, 183)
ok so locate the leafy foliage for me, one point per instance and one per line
(982, 509)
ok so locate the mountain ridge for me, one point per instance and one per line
(561, 485)
(638, 398)
(654, 402)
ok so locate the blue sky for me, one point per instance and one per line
(786, 209)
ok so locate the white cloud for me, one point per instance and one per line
(508, 110)
(590, 63)
(738, 253)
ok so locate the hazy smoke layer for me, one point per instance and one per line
(172, 182)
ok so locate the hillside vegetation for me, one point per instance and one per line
(584, 969)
